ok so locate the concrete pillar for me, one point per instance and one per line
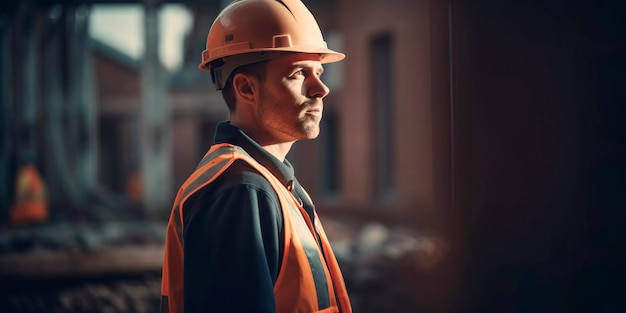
(70, 111)
(154, 122)
(63, 188)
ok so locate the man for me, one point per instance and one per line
(243, 235)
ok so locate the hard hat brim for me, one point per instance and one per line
(327, 55)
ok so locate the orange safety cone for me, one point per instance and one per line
(31, 202)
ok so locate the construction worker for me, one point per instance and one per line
(243, 234)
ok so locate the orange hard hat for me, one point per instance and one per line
(250, 31)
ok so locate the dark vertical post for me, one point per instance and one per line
(6, 99)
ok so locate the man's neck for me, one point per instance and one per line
(278, 150)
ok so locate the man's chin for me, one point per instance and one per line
(311, 133)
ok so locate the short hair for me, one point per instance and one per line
(256, 70)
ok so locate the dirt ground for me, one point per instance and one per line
(377, 262)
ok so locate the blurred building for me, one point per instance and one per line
(373, 155)
(117, 79)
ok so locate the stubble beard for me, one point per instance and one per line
(310, 122)
(310, 126)
(305, 127)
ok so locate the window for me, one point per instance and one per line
(381, 49)
(329, 174)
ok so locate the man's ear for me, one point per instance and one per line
(244, 88)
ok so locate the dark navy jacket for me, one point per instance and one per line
(233, 233)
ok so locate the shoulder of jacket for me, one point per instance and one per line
(241, 173)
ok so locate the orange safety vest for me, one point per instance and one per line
(294, 290)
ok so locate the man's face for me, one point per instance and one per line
(290, 99)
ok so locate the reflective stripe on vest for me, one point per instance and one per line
(302, 284)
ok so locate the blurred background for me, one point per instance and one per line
(472, 155)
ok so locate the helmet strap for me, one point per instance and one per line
(220, 73)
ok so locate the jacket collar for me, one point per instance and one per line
(227, 133)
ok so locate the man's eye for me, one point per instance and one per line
(298, 73)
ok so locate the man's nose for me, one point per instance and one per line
(317, 88)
